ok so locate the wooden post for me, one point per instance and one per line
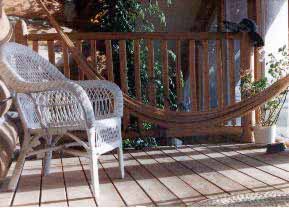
(21, 32)
(246, 67)
(254, 8)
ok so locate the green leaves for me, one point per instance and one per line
(277, 67)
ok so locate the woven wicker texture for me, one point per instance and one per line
(263, 199)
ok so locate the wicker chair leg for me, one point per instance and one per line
(19, 164)
(48, 156)
(120, 160)
(93, 164)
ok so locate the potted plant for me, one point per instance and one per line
(277, 67)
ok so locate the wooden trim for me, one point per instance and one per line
(192, 76)
(232, 74)
(109, 60)
(246, 67)
(137, 74)
(51, 53)
(93, 53)
(123, 65)
(66, 68)
(206, 76)
(165, 72)
(21, 33)
(151, 73)
(179, 73)
(220, 77)
(79, 48)
(35, 46)
(133, 36)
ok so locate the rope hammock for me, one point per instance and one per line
(167, 118)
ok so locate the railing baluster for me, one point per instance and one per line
(65, 60)
(51, 53)
(35, 46)
(245, 69)
(93, 52)
(206, 78)
(123, 65)
(109, 60)
(220, 77)
(193, 78)
(165, 72)
(179, 73)
(232, 74)
(137, 69)
(80, 72)
(123, 78)
(151, 73)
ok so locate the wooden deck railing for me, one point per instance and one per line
(196, 47)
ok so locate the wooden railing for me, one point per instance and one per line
(193, 53)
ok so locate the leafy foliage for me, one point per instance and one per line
(277, 67)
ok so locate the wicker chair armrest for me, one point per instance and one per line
(71, 87)
(106, 98)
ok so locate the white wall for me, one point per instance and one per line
(276, 36)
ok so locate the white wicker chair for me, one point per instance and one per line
(51, 106)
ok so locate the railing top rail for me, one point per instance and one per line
(138, 35)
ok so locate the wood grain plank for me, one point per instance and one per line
(130, 191)
(28, 192)
(51, 53)
(251, 171)
(156, 191)
(109, 60)
(199, 182)
(184, 194)
(78, 191)
(228, 185)
(193, 76)
(206, 76)
(225, 169)
(151, 73)
(243, 154)
(109, 197)
(279, 160)
(165, 72)
(5, 195)
(281, 183)
(53, 187)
